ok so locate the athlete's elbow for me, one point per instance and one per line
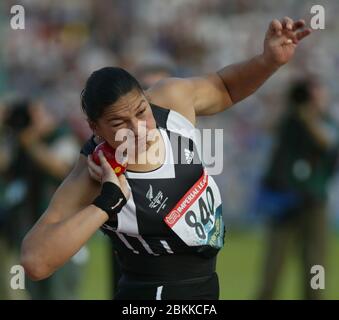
(35, 270)
(35, 267)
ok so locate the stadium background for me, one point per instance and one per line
(64, 41)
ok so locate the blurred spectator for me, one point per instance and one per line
(43, 152)
(5, 156)
(295, 186)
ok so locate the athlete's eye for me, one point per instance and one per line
(118, 124)
(141, 112)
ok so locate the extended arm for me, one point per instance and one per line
(213, 93)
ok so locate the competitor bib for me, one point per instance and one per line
(197, 217)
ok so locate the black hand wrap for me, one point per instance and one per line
(111, 200)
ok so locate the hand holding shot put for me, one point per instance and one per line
(105, 173)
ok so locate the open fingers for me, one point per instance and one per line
(287, 23)
(294, 26)
(275, 27)
(287, 31)
(302, 34)
(299, 24)
(290, 37)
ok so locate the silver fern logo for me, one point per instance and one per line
(149, 194)
(157, 201)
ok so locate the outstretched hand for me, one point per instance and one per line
(282, 38)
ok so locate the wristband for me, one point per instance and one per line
(111, 200)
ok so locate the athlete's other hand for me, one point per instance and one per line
(105, 172)
(282, 38)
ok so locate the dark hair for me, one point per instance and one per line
(103, 88)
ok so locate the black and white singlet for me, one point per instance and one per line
(171, 227)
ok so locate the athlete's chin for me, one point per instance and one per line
(137, 152)
(143, 146)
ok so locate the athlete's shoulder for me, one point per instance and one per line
(174, 94)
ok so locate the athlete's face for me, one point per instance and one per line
(131, 115)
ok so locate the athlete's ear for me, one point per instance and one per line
(93, 126)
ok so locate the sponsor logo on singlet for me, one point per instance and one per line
(189, 156)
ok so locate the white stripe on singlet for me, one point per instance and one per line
(176, 122)
(146, 246)
(166, 246)
(127, 244)
(159, 292)
(127, 218)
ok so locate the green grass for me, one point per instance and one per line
(239, 265)
(97, 277)
(239, 269)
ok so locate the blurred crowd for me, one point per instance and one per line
(45, 66)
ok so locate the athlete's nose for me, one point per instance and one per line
(134, 126)
(138, 127)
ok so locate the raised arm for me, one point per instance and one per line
(213, 93)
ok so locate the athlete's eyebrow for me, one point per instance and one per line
(143, 100)
(120, 117)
